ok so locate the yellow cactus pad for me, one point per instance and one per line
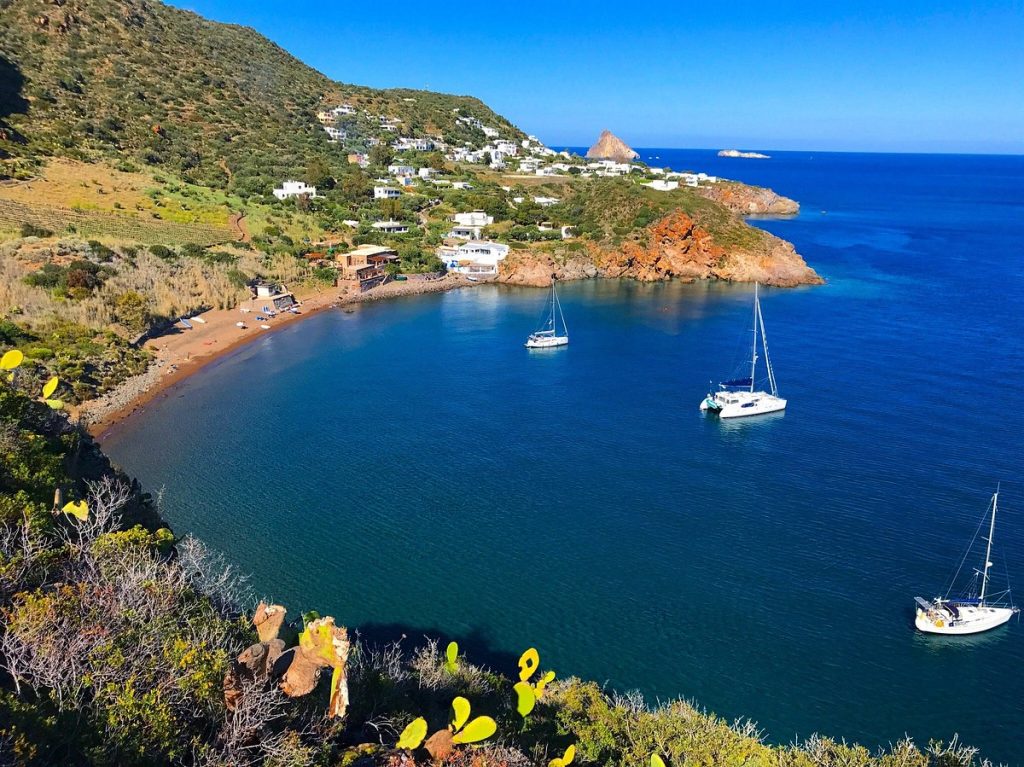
(657, 761)
(78, 510)
(546, 677)
(528, 663)
(413, 734)
(317, 641)
(565, 760)
(11, 360)
(460, 713)
(479, 729)
(451, 654)
(50, 387)
(526, 698)
(56, 404)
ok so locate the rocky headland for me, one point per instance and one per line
(674, 247)
(749, 200)
(611, 147)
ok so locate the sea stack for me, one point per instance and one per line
(611, 147)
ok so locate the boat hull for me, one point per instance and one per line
(973, 619)
(742, 404)
(547, 342)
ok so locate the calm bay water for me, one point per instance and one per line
(410, 468)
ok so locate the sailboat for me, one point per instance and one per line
(547, 337)
(738, 396)
(975, 611)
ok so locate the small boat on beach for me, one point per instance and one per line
(200, 320)
(185, 322)
(738, 397)
(973, 611)
(265, 327)
(473, 279)
(240, 325)
(548, 337)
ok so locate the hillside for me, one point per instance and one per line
(147, 85)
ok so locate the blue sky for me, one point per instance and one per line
(898, 76)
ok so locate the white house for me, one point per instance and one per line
(294, 189)
(391, 227)
(662, 185)
(469, 225)
(386, 193)
(473, 218)
(461, 185)
(336, 134)
(546, 202)
(474, 257)
(426, 173)
(401, 170)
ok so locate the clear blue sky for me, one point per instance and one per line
(913, 76)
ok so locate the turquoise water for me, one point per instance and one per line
(411, 469)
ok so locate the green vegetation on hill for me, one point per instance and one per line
(147, 85)
(116, 643)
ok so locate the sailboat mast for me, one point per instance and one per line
(753, 352)
(767, 357)
(988, 549)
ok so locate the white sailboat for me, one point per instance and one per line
(548, 337)
(738, 397)
(975, 611)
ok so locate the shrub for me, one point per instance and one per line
(162, 251)
(31, 230)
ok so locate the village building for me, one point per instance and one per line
(268, 298)
(662, 185)
(401, 170)
(391, 227)
(386, 193)
(366, 264)
(294, 189)
(476, 257)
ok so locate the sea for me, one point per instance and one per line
(412, 470)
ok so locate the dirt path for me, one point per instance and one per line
(237, 223)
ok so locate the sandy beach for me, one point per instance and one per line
(181, 352)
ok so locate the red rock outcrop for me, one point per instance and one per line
(749, 200)
(675, 247)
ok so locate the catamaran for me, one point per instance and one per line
(974, 611)
(738, 397)
(547, 337)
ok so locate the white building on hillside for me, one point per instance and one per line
(401, 170)
(468, 226)
(386, 193)
(475, 257)
(391, 227)
(294, 189)
(662, 185)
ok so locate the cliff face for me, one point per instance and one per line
(748, 200)
(611, 147)
(674, 248)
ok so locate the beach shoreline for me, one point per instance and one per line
(180, 353)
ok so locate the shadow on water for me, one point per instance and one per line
(475, 645)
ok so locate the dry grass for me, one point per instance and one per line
(82, 185)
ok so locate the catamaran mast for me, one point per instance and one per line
(767, 357)
(753, 352)
(988, 549)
